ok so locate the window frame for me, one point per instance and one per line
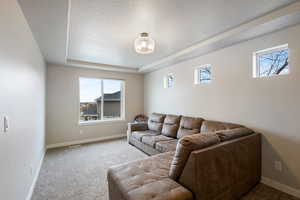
(122, 104)
(256, 63)
(197, 74)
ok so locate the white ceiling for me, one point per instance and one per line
(103, 31)
(48, 22)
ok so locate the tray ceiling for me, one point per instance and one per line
(103, 32)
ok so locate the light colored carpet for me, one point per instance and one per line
(79, 173)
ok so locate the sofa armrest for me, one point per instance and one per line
(225, 171)
(142, 126)
(186, 146)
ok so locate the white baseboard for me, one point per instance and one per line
(100, 139)
(35, 178)
(282, 187)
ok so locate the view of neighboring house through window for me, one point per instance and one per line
(100, 99)
(112, 99)
(271, 62)
(203, 74)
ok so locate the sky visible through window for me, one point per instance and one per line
(205, 74)
(90, 88)
(111, 86)
(274, 63)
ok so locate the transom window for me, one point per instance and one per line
(101, 99)
(271, 62)
(202, 74)
(169, 81)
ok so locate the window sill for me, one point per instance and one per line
(203, 83)
(97, 122)
(271, 76)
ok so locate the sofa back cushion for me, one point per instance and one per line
(185, 146)
(211, 126)
(231, 134)
(155, 122)
(189, 126)
(171, 125)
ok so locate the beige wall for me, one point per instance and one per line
(63, 104)
(22, 99)
(269, 105)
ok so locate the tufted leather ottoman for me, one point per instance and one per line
(146, 179)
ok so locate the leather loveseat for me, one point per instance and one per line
(193, 159)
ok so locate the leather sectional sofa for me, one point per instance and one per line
(193, 159)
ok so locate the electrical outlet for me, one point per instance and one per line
(5, 124)
(81, 132)
(278, 165)
(1, 125)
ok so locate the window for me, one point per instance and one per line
(101, 99)
(169, 81)
(203, 74)
(271, 62)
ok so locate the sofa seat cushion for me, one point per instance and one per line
(152, 140)
(138, 135)
(147, 179)
(164, 189)
(140, 172)
(231, 134)
(171, 125)
(185, 146)
(211, 126)
(166, 146)
(189, 126)
(143, 147)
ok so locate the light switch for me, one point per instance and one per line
(5, 124)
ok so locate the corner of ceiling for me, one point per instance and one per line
(222, 37)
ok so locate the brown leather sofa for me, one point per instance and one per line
(196, 159)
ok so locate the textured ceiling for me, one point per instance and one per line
(103, 31)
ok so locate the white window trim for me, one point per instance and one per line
(256, 55)
(166, 82)
(197, 74)
(104, 121)
(94, 122)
